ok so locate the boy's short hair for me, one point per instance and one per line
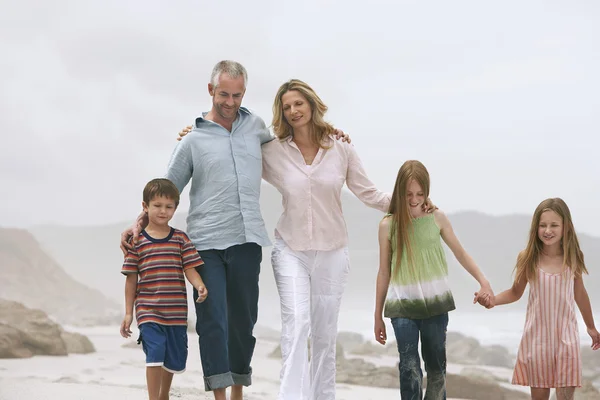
(160, 187)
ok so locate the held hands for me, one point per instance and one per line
(380, 334)
(485, 297)
(126, 326)
(593, 332)
(202, 293)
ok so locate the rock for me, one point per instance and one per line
(38, 333)
(27, 332)
(350, 340)
(11, 344)
(356, 371)
(480, 375)
(373, 349)
(77, 343)
(461, 349)
(462, 387)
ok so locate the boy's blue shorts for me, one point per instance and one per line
(165, 346)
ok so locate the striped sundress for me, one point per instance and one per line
(549, 353)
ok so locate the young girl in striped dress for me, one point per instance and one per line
(552, 264)
(412, 283)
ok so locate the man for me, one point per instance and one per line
(222, 157)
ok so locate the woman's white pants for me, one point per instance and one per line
(310, 285)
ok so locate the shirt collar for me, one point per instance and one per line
(241, 111)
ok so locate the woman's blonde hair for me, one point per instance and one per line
(401, 217)
(319, 129)
(527, 262)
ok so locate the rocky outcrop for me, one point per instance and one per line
(26, 332)
(462, 387)
(31, 277)
(461, 349)
(480, 375)
(77, 343)
(11, 343)
(357, 371)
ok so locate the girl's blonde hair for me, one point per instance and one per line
(319, 129)
(401, 218)
(527, 262)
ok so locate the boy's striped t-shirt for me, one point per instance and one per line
(160, 264)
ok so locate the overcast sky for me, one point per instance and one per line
(500, 101)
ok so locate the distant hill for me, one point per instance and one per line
(493, 241)
(29, 276)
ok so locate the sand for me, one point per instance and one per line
(114, 372)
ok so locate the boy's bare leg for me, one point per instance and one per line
(565, 393)
(220, 394)
(153, 380)
(237, 392)
(165, 384)
(540, 393)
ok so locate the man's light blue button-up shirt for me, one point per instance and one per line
(226, 170)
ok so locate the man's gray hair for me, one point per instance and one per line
(232, 68)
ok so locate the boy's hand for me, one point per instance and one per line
(126, 326)
(593, 332)
(380, 334)
(202, 293)
(184, 132)
(339, 134)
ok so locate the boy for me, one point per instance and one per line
(160, 257)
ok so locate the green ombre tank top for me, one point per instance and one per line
(419, 289)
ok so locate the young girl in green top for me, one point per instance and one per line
(412, 283)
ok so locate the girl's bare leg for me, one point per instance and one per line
(540, 393)
(565, 393)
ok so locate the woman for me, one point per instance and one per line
(310, 254)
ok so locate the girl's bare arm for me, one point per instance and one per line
(461, 254)
(383, 276)
(511, 295)
(583, 302)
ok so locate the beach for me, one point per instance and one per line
(117, 371)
